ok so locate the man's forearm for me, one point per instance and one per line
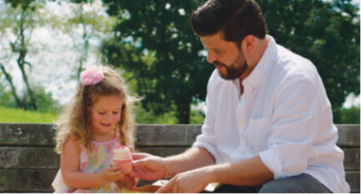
(247, 173)
(192, 158)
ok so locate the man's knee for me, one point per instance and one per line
(303, 183)
(277, 186)
(237, 189)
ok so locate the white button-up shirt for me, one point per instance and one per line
(283, 116)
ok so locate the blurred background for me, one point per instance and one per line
(45, 44)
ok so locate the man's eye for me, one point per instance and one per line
(218, 52)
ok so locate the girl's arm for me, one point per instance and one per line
(69, 164)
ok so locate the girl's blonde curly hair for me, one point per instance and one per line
(75, 121)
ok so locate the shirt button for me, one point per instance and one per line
(241, 123)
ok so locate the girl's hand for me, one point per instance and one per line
(111, 174)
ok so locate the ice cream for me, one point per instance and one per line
(122, 158)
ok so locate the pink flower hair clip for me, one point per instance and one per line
(91, 76)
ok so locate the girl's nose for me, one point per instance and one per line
(108, 116)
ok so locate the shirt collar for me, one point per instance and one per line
(264, 63)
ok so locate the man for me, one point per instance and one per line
(268, 125)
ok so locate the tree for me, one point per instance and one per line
(46, 103)
(6, 97)
(162, 54)
(21, 19)
(9, 78)
(351, 115)
(327, 33)
(86, 21)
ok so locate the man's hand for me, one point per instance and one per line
(148, 167)
(128, 182)
(193, 181)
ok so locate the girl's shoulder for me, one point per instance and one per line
(70, 151)
(71, 143)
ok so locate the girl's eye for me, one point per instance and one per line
(101, 113)
(115, 113)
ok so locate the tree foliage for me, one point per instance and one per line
(87, 21)
(154, 41)
(22, 18)
(45, 101)
(350, 115)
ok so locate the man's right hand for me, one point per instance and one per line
(148, 167)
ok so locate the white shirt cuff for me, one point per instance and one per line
(273, 163)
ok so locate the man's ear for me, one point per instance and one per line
(248, 44)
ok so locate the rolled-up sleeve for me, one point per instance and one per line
(207, 139)
(294, 128)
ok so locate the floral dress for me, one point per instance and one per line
(99, 160)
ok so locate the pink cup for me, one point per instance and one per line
(124, 165)
(122, 158)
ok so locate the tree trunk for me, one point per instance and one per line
(183, 112)
(86, 37)
(13, 90)
(30, 92)
(21, 61)
(337, 115)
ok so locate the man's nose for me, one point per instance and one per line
(211, 57)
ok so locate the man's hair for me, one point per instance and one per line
(236, 18)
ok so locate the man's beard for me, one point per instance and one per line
(234, 71)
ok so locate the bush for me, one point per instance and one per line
(350, 115)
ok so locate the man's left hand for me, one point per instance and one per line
(193, 181)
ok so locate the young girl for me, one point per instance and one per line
(97, 120)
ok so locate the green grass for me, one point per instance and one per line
(10, 115)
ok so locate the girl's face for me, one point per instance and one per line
(105, 114)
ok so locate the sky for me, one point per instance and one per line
(55, 58)
(356, 2)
